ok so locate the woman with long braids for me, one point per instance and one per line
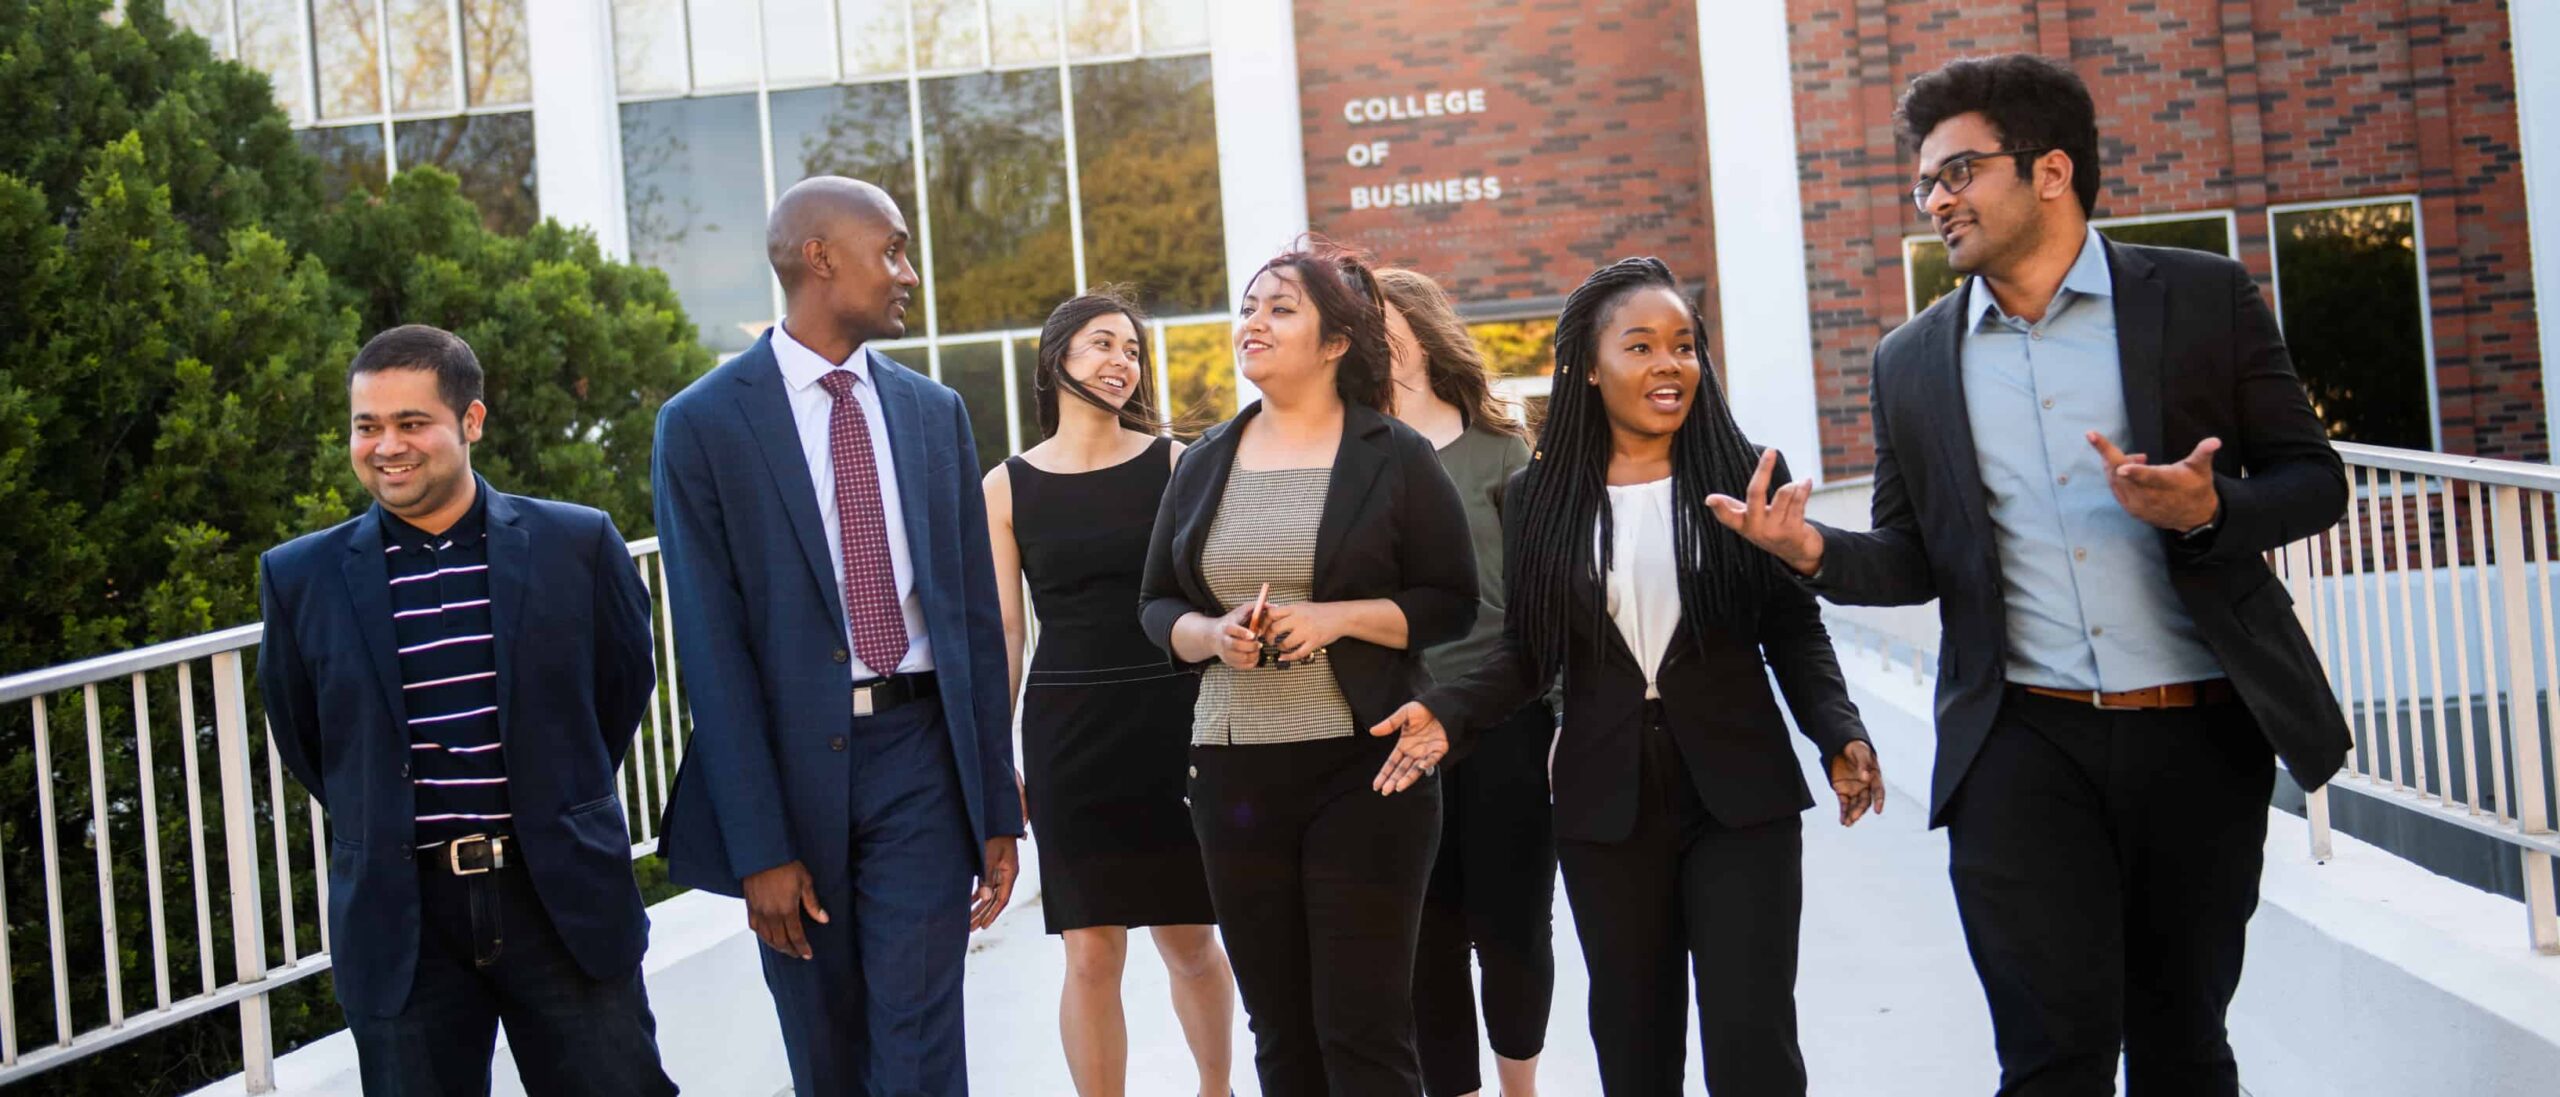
(1305, 552)
(1103, 719)
(1678, 801)
(1493, 885)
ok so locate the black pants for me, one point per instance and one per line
(1685, 892)
(487, 953)
(1317, 881)
(2105, 865)
(1493, 887)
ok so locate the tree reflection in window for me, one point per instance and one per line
(1147, 165)
(856, 130)
(950, 34)
(1100, 28)
(491, 153)
(874, 36)
(271, 42)
(995, 163)
(421, 55)
(497, 52)
(343, 35)
(1023, 31)
(976, 372)
(648, 46)
(350, 158)
(1200, 373)
(210, 19)
(1026, 396)
(1516, 348)
(695, 199)
(2348, 279)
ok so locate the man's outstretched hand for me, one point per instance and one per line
(2177, 498)
(1777, 524)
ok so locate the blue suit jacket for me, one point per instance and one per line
(760, 626)
(571, 622)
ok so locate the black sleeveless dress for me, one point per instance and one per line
(1106, 721)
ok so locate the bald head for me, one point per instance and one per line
(825, 209)
(839, 247)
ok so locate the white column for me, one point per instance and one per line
(1751, 152)
(2535, 45)
(577, 127)
(1262, 156)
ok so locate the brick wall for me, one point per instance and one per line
(2203, 105)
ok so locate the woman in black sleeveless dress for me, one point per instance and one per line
(1106, 723)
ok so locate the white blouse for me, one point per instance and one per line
(1644, 586)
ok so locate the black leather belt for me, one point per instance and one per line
(471, 855)
(874, 696)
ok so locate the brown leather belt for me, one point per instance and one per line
(2211, 691)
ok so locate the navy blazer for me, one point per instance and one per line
(571, 624)
(760, 625)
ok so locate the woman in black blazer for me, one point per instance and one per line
(1678, 799)
(1344, 516)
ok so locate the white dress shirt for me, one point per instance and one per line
(810, 406)
(1644, 586)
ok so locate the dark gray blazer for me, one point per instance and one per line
(2201, 357)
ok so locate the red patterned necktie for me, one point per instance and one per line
(870, 584)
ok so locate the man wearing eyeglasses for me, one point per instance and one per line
(2060, 451)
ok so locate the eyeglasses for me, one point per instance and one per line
(1957, 173)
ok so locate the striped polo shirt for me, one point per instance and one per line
(448, 673)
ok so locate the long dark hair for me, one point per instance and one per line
(1452, 363)
(1138, 413)
(1565, 491)
(1344, 291)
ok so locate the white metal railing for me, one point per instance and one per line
(126, 792)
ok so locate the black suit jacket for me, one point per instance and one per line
(571, 632)
(1393, 528)
(2200, 358)
(1715, 699)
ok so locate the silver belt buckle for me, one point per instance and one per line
(862, 700)
(2098, 699)
(453, 854)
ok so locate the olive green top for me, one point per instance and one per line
(1480, 462)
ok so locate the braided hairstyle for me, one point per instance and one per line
(1565, 493)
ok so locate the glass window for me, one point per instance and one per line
(1026, 397)
(350, 158)
(1924, 266)
(421, 55)
(1517, 348)
(271, 43)
(948, 34)
(2348, 282)
(1175, 24)
(497, 51)
(695, 197)
(1925, 258)
(1147, 160)
(1200, 373)
(342, 34)
(210, 19)
(856, 130)
(874, 34)
(796, 49)
(1025, 31)
(724, 44)
(976, 372)
(491, 153)
(648, 46)
(1101, 28)
(995, 157)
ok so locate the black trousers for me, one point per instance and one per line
(1493, 887)
(1317, 881)
(2105, 865)
(1684, 893)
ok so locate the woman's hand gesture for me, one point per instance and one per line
(1237, 644)
(1858, 781)
(1420, 744)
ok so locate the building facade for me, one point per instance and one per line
(2378, 165)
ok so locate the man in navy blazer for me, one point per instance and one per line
(456, 674)
(851, 767)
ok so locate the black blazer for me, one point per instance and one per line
(571, 630)
(1715, 698)
(2200, 357)
(1393, 528)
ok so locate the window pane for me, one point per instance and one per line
(1931, 278)
(1026, 397)
(696, 202)
(1200, 373)
(210, 19)
(2348, 279)
(496, 52)
(342, 34)
(724, 44)
(1147, 159)
(947, 34)
(875, 36)
(648, 46)
(493, 155)
(796, 49)
(1025, 30)
(421, 55)
(2211, 234)
(997, 180)
(976, 372)
(270, 43)
(1100, 28)
(350, 158)
(856, 130)
(1517, 348)
(1175, 24)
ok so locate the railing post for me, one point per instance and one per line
(240, 852)
(2303, 580)
(2524, 718)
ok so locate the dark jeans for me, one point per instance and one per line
(488, 954)
(1493, 892)
(2105, 865)
(1317, 881)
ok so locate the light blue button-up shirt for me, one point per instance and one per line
(2087, 585)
